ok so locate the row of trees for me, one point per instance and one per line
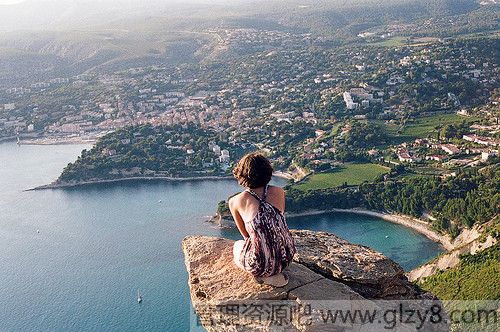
(456, 202)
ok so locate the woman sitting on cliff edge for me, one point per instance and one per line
(268, 245)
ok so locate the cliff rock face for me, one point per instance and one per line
(366, 271)
(450, 259)
(325, 269)
(469, 241)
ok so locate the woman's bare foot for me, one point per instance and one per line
(277, 280)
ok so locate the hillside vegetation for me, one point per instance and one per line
(476, 277)
(456, 202)
(147, 151)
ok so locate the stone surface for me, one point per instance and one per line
(328, 272)
(366, 271)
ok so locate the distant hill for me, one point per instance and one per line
(84, 14)
(347, 17)
(304, 14)
(32, 56)
(60, 38)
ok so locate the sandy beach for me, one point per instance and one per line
(407, 221)
(283, 175)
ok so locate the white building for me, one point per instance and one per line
(404, 156)
(349, 102)
(450, 149)
(485, 155)
(480, 139)
(9, 107)
(224, 156)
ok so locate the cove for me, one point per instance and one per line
(73, 259)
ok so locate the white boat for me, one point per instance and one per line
(139, 297)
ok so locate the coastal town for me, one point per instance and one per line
(432, 104)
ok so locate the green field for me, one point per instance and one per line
(422, 127)
(353, 174)
(400, 41)
(391, 42)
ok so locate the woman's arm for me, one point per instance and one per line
(233, 207)
(283, 200)
(279, 198)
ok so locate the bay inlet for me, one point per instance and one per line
(74, 258)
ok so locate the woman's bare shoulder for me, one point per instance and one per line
(238, 198)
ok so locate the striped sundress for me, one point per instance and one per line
(270, 246)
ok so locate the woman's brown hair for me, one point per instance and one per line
(253, 171)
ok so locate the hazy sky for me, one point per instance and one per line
(8, 2)
(79, 14)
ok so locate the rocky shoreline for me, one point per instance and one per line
(59, 185)
(7, 139)
(86, 140)
(470, 241)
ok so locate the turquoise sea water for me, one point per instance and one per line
(73, 259)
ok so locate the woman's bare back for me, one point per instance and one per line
(247, 205)
(268, 247)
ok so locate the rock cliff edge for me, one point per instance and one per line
(325, 268)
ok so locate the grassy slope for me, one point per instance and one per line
(353, 174)
(421, 127)
(391, 42)
(476, 277)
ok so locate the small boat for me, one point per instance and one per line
(139, 297)
(159, 201)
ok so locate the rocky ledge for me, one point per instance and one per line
(327, 271)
